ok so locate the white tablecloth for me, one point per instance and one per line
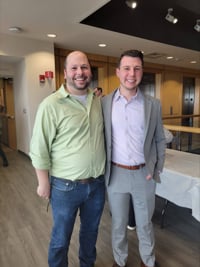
(180, 180)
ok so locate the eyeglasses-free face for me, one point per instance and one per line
(130, 72)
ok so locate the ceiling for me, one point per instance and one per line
(83, 24)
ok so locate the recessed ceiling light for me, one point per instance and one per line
(51, 35)
(102, 45)
(15, 29)
(193, 62)
(169, 57)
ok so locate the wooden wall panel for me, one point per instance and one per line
(168, 80)
(171, 94)
(113, 80)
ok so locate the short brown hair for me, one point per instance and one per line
(131, 53)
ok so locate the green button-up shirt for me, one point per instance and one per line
(68, 138)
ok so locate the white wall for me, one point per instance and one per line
(36, 57)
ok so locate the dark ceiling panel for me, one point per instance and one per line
(147, 21)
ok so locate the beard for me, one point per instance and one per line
(79, 85)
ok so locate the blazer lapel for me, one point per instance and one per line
(107, 106)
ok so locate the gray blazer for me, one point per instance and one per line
(154, 144)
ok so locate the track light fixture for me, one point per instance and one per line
(197, 26)
(169, 17)
(131, 4)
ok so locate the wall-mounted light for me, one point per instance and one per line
(131, 4)
(169, 17)
(47, 75)
(197, 26)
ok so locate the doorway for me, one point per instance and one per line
(9, 126)
(148, 84)
(188, 100)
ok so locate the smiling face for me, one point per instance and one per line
(77, 73)
(130, 73)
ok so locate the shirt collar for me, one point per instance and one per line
(138, 95)
(64, 93)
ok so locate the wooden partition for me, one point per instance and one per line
(168, 82)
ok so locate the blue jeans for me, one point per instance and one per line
(67, 198)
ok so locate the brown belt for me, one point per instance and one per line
(85, 181)
(135, 167)
(81, 181)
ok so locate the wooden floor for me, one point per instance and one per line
(25, 226)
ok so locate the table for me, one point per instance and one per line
(180, 181)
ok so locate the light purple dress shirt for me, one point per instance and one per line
(128, 129)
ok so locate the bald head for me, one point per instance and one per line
(75, 54)
(77, 72)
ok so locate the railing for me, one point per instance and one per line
(178, 129)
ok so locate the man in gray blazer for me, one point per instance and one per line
(135, 144)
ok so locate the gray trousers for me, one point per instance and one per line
(125, 183)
